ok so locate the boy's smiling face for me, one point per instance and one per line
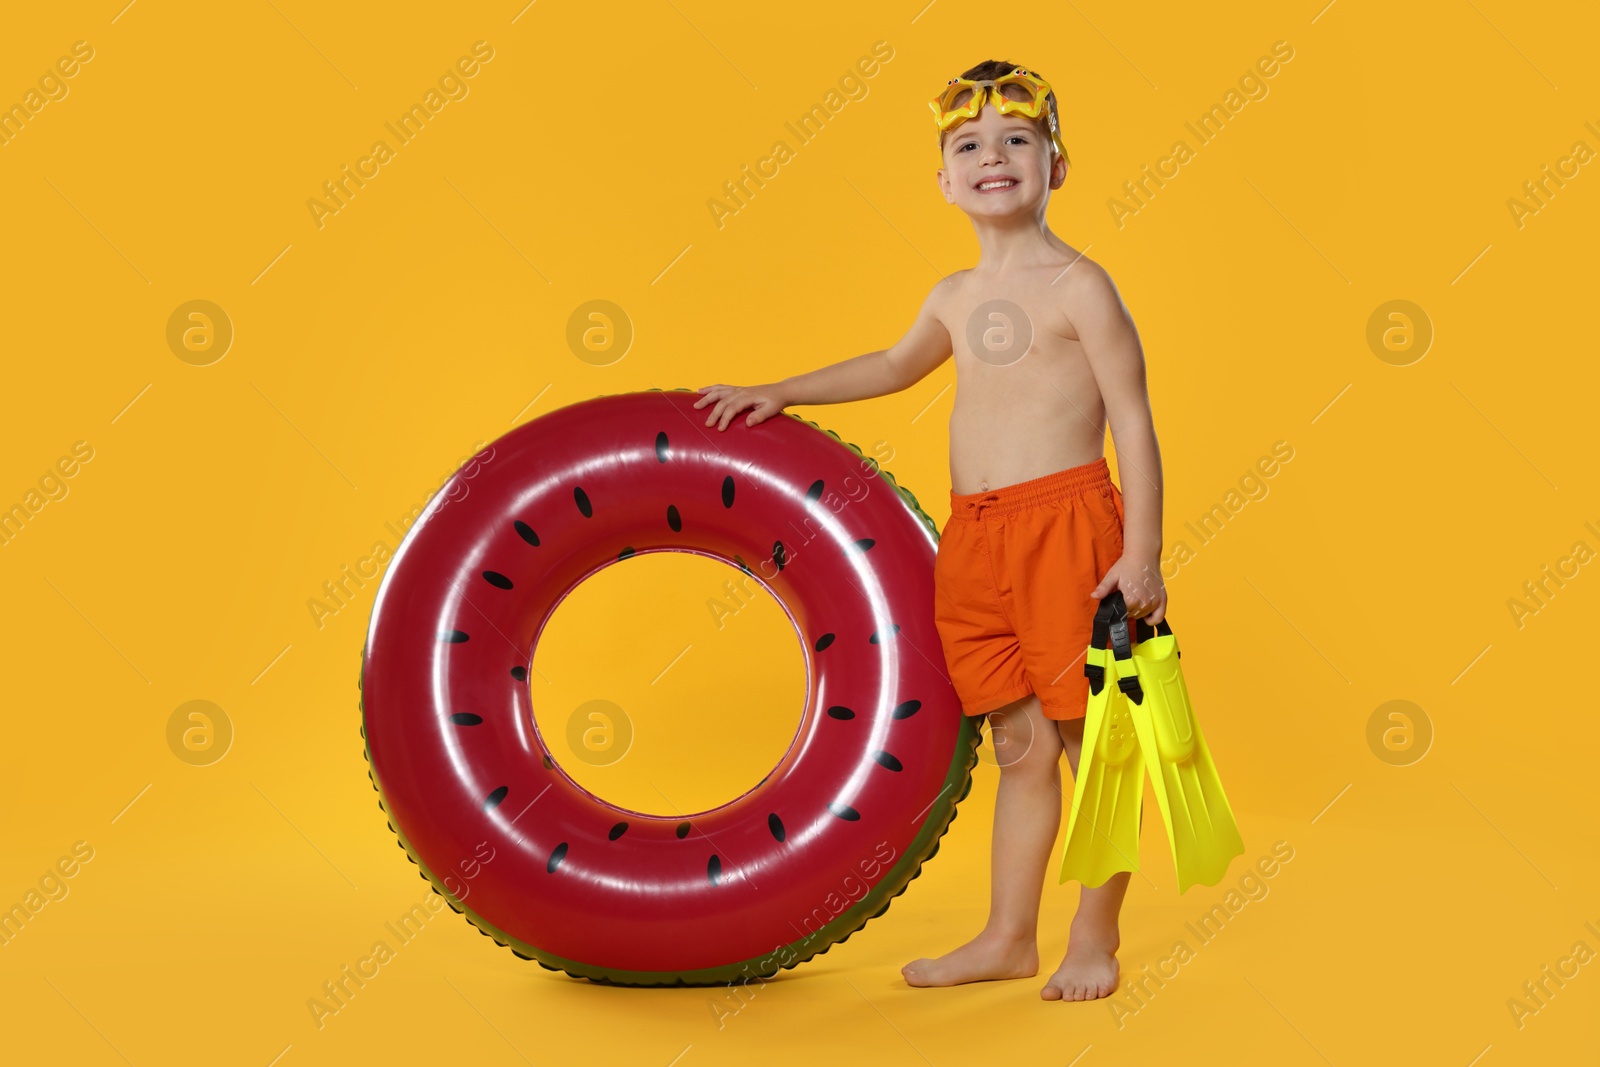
(995, 148)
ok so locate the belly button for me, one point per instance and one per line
(983, 487)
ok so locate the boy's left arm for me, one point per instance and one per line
(1111, 345)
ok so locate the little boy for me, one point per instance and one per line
(1045, 355)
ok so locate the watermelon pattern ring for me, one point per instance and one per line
(800, 861)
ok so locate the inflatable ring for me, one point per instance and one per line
(813, 851)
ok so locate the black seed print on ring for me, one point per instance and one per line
(526, 533)
(493, 799)
(824, 641)
(519, 673)
(906, 710)
(674, 520)
(839, 711)
(454, 637)
(714, 869)
(727, 491)
(844, 811)
(582, 500)
(621, 827)
(887, 760)
(558, 854)
(466, 718)
(814, 494)
(496, 579)
(663, 453)
(775, 824)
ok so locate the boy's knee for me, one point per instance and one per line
(1025, 741)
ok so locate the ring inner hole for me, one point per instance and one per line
(668, 683)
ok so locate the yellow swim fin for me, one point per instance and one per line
(1199, 821)
(1108, 790)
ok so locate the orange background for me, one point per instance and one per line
(370, 353)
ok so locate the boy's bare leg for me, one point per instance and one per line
(1027, 814)
(1090, 969)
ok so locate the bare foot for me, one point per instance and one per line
(984, 958)
(1089, 971)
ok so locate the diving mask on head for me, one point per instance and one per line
(1019, 93)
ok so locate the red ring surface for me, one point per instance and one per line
(863, 794)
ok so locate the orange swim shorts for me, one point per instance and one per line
(1012, 580)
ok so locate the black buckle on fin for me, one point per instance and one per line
(1096, 675)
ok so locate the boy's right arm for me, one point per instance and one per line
(912, 358)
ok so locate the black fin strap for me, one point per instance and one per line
(1101, 637)
(1143, 631)
(1111, 609)
(1119, 639)
(1131, 688)
(1096, 675)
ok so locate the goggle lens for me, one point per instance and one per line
(1018, 93)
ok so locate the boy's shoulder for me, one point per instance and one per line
(944, 292)
(949, 287)
(1083, 275)
(1087, 293)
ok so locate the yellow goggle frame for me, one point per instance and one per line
(1036, 101)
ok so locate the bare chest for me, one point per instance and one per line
(1026, 400)
(1010, 340)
